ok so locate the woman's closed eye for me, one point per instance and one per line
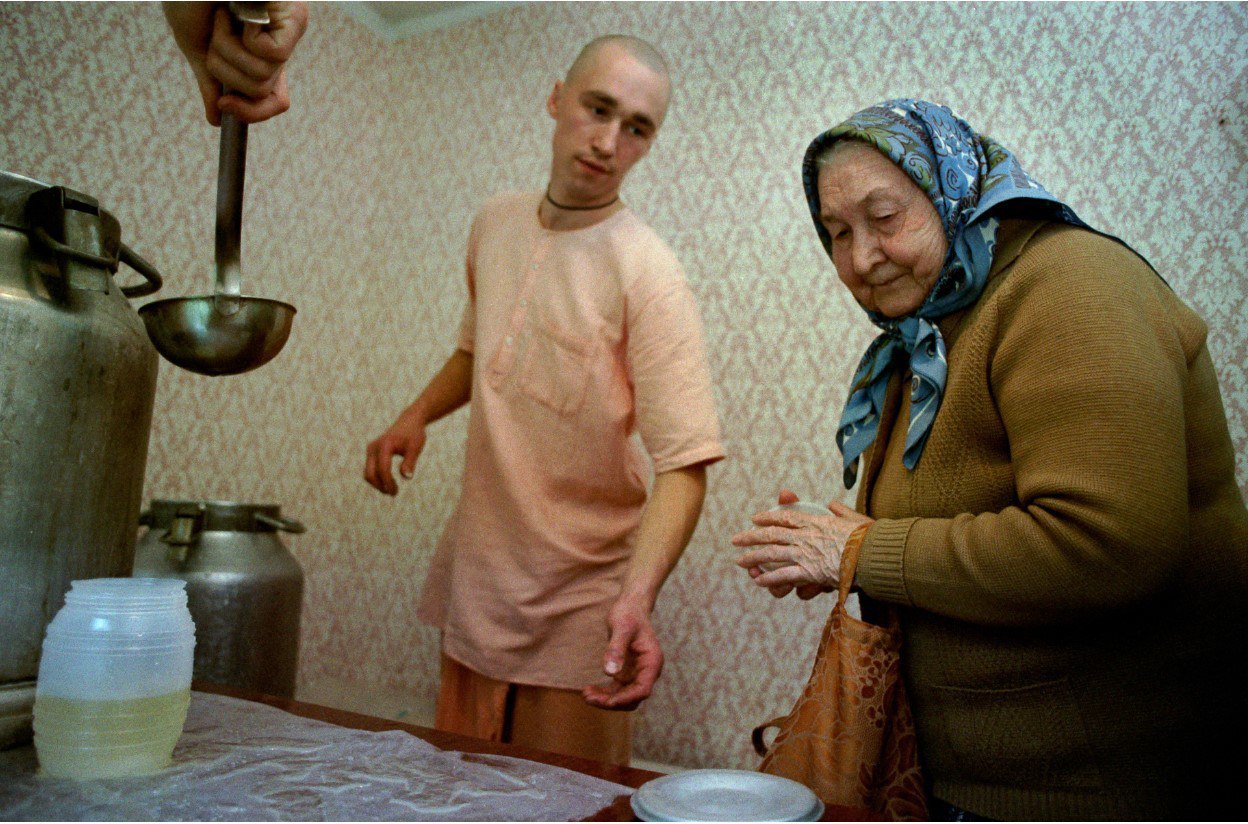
(888, 224)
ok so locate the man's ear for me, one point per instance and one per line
(552, 102)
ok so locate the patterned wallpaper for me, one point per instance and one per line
(358, 206)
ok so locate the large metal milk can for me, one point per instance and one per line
(243, 587)
(77, 381)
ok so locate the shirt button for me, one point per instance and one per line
(535, 265)
(509, 340)
(523, 303)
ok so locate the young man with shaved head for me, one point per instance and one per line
(580, 333)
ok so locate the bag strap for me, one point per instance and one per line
(849, 563)
(756, 737)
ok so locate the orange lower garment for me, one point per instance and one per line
(544, 718)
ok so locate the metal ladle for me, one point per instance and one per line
(223, 333)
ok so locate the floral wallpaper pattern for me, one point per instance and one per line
(357, 211)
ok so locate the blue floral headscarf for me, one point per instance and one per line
(968, 177)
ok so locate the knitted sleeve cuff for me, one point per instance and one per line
(881, 561)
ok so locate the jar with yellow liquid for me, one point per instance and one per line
(114, 678)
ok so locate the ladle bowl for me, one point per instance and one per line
(196, 335)
(223, 333)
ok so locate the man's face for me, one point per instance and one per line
(607, 115)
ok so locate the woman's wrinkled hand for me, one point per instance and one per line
(802, 551)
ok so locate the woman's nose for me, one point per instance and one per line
(865, 253)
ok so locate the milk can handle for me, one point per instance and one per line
(154, 281)
(188, 523)
(47, 207)
(284, 524)
(127, 256)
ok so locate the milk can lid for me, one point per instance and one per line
(29, 205)
(15, 190)
(219, 516)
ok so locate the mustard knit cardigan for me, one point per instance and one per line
(1070, 555)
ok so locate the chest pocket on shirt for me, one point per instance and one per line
(555, 372)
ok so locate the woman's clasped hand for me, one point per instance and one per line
(796, 550)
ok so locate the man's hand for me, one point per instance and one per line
(406, 438)
(250, 63)
(450, 389)
(634, 660)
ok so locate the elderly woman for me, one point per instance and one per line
(1048, 492)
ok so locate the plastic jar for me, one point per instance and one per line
(114, 678)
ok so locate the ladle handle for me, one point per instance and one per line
(257, 13)
(231, 172)
(230, 175)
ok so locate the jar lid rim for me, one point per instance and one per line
(128, 588)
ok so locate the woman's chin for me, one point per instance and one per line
(896, 305)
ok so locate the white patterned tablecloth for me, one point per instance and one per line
(244, 761)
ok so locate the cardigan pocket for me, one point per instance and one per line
(556, 369)
(1031, 736)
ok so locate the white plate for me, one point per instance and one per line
(725, 795)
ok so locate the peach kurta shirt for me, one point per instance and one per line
(580, 340)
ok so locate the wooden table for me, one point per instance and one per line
(618, 810)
